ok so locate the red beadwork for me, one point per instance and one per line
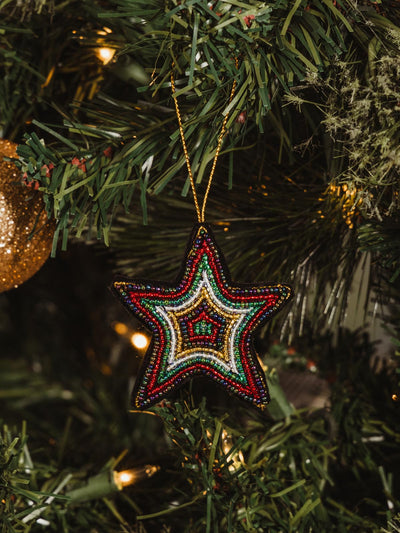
(241, 310)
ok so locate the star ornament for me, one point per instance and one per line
(201, 325)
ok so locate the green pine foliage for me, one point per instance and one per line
(306, 186)
(221, 471)
(364, 117)
(276, 45)
(280, 209)
(116, 146)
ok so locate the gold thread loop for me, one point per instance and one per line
(178, 114)
(201, 213)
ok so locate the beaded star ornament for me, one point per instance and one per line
(203, 324)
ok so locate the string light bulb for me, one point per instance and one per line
(139, 340)
(120, 328)
(104, 31)
(108, 482)
(129, 477)
(124, 478)
(105, 54)
(236, 459)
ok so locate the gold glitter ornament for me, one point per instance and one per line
(26, 234)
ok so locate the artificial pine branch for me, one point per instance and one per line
(289, 240)
(281, 42)
(62, 377)
(118, 146)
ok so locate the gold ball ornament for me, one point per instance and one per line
(26, 234)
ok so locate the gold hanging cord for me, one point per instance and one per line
(200, 213)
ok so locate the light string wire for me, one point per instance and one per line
(201, 212)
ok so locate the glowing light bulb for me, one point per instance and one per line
(105, 54)
(237, 459)
(126, 478)
(139, 340)
(395, 397)
(121, 328)
(129, 477)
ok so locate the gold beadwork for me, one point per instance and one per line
(231, 318)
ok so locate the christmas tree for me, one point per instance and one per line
(107, 109)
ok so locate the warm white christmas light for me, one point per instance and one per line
(126, 478)
(108, 482)
(105, 54)
(236, 457)
(129, 477)
(121, 328)
(139, 340)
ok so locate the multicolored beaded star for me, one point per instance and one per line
(201, 325)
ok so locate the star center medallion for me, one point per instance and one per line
(204, 305)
